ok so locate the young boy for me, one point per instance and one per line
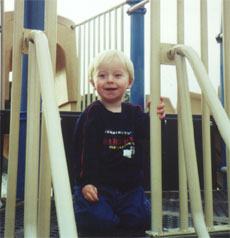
(108, 151)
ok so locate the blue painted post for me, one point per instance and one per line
(34, 12)
(137, 95)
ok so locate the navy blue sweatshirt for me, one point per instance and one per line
(107, 146)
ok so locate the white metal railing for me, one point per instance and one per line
(187, 157)
(41, 78)
(103, 31)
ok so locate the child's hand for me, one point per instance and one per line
(160, 108)
(89, 192)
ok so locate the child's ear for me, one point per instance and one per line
(92, 83)
(130, 83)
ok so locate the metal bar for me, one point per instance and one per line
(83, 66)
(122, 28)
(88, 61)
(104, 32)
(14, 120)
(110, 30)
(182, 170)
(137, 6)
(206, 134)
(189, 148)
(115, 28)
(32, 147)
(79, 66)
(226, 56)
(65, 214)
(44, 201)
(155, 132)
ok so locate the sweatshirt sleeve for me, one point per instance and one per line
(86, 147)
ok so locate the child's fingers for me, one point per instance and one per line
(90, 193)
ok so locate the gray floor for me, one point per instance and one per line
(170, 215)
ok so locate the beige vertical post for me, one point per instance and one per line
(99, 34)
(110, 29)
(84, 66)
(155, 124)
(32, 148)
(206, 135)
(115, 27)
(104, 31)
(189, 148)
(122, 28)
(94, 50)
(14, 119)
(183, 194)
(79, 69)
(226, 56)
(88, 62)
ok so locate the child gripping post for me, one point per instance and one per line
(108, 153)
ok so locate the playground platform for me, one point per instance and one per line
(170, 216)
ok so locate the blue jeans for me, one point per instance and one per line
(129, 210)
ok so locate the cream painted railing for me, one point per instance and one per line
(40, 77)
(186, 150)
(100, 32)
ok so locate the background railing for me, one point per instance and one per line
(101, 32)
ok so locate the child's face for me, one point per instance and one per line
(111, 81)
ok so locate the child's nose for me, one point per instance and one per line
(110, 78)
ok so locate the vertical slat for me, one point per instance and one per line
(32, 147)
(122, 29)
(155, 133)
(84, 65)
(110, 30)
(14, 120)
(104, 31)
(182, 171)
(99, 34)
(94, 49)
(226, 53)
(206, 135)
(88, 62)
(115, 28)
(79, 66)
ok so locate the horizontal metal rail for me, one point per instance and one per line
(100, 14)
(137, 6)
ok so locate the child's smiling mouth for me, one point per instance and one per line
(110, 89)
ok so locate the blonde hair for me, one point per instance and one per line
(108, 54)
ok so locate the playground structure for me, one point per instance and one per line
(41, 73)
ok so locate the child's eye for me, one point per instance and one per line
(118, 75)
(101, 75)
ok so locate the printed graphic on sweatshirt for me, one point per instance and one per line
(120, 140)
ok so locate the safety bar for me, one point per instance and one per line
(40, 77)
(61, 184)
(219, 114)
